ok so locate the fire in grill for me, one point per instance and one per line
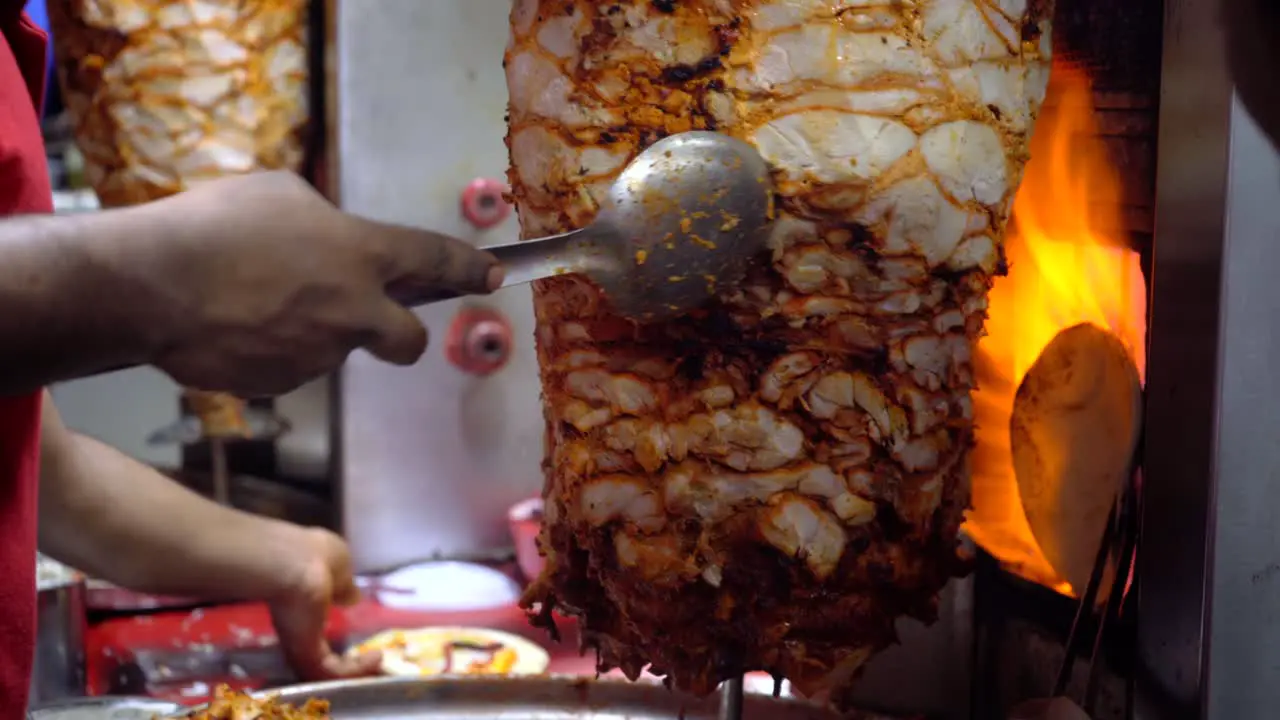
(1070, 264)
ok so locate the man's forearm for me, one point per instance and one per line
(78, 295)
(119, 520)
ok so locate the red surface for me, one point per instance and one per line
(484, 203)
(116, 642)
(24, 190)
(479, 341)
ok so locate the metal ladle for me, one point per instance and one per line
(682, 222)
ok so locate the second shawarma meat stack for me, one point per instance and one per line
(769, 485)
(168, 94)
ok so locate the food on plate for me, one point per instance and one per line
(221, 415)
(770, 483)
(228, 704)
(167, 94)
(455, 651)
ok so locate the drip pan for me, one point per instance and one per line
(536, 698)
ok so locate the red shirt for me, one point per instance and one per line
(24, 188)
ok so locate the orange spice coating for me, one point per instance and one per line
(771, 484)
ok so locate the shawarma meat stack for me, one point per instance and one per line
(167, 94)
(771, 483)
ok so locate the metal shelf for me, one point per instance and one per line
(75, 201)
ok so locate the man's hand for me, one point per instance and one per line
(121, 521)
(271, 285)
(320, 578)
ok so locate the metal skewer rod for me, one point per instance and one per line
(221, 477)
(731, 699)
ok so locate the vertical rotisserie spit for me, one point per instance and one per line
(769, 484)
(167, 94)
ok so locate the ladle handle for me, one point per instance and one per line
(523, 262)
(530, 260)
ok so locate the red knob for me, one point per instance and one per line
(484, 203)
(479, 341)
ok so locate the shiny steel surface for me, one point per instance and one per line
(103, 708)
(685, 219)
(536, 698)
(430, 457)
(1244, 626)
(58, 672)
(732, 699)
(1209, 555)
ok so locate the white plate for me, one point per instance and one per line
(422, 652)
(446, 587)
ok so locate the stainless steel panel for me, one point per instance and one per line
(58, 669)
(430, 457)
(104, 708)
(1244, 626)
(1209, 599)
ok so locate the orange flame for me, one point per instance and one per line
(1068, 264)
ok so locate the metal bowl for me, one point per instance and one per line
(58, 671)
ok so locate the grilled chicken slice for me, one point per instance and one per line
(228, 704)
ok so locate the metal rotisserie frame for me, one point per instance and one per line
(1208, 641)
(430, 457)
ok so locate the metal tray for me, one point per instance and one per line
(534, 698)
(103, 708)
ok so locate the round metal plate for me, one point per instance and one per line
(534, 698)
(103, 708)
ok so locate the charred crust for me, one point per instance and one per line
(683, 74)
(1033, 19)
(1002, 263)
(727, 35)
(83, 50)
(765, 604)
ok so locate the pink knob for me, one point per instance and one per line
(484, 203)
(479, 341)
